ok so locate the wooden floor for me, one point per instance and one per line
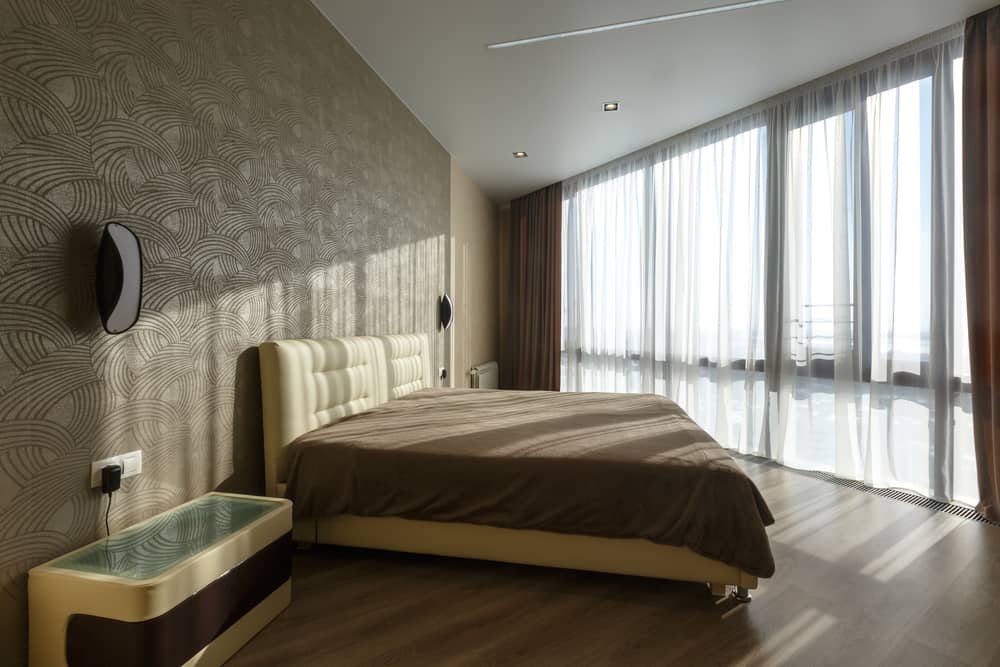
(861, 580)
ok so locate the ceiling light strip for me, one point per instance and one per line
(631, 24)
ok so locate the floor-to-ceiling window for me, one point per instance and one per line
(792, 276)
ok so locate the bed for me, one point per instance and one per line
(346, 424)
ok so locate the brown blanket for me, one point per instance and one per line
(612, 465)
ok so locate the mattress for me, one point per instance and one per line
(608, 465)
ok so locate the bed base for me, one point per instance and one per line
(636, 557)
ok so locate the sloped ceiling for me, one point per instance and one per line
(546, 98)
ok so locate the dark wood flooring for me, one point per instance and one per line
(861, 580)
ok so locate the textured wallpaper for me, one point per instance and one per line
(279, 190)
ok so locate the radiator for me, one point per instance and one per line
(485, 376)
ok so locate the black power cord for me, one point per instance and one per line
(111, 481)
(107, 515)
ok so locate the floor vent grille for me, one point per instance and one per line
(895, 494)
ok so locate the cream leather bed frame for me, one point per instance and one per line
(309, 383)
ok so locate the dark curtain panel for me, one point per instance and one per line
(981, 104)
(531, 291)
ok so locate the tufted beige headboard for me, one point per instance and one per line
(306, 384)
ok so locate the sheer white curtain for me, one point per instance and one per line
(663, 278)
(792, 276)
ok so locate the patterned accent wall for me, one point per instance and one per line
(279, 190)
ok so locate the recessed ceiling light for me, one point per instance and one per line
(611, 106)
(520, 154)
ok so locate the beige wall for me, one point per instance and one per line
(279, 190)
(473, 277)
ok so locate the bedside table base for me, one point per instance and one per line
(232, 640)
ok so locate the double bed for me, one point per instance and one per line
(373, 455)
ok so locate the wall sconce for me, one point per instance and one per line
(446, 312)
(119, 278)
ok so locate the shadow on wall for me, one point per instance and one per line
(79, 264)
(474, 288)
(248, 436)
(461, 328)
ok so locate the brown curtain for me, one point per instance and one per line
(981, 149)
(531, 291)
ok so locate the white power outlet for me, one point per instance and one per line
(131, 464)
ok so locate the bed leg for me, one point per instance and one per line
(718, 590)
(742, 595)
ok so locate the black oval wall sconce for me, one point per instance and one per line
(446, 311)
(119, 278)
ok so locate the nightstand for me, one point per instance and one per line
(189, 586)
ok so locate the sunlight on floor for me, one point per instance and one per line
(795, 531)
(852, 531)
(782, 646)
(905, 552)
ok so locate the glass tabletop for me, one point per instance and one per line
(149, 549)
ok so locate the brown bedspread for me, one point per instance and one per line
(611, 465)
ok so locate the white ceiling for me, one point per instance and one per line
(546, 98)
